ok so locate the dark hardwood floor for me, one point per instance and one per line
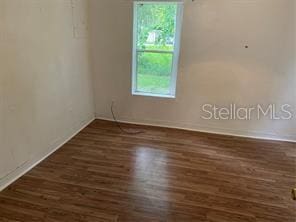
(159, 175)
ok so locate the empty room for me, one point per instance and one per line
(148, 111)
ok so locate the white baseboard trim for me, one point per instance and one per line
(207, 129)
(27, 166)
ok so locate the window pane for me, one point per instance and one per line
(156, 26)
(154, 72)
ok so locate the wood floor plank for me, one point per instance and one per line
(104, 175)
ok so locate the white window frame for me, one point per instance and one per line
(175, 52)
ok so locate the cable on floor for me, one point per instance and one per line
(118, 123)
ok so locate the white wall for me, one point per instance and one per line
(214, 65)
(46, 92)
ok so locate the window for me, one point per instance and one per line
(157, 28)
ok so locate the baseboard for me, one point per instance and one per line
(208, 129)
(27, 166)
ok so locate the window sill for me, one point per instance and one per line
(153, 95)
